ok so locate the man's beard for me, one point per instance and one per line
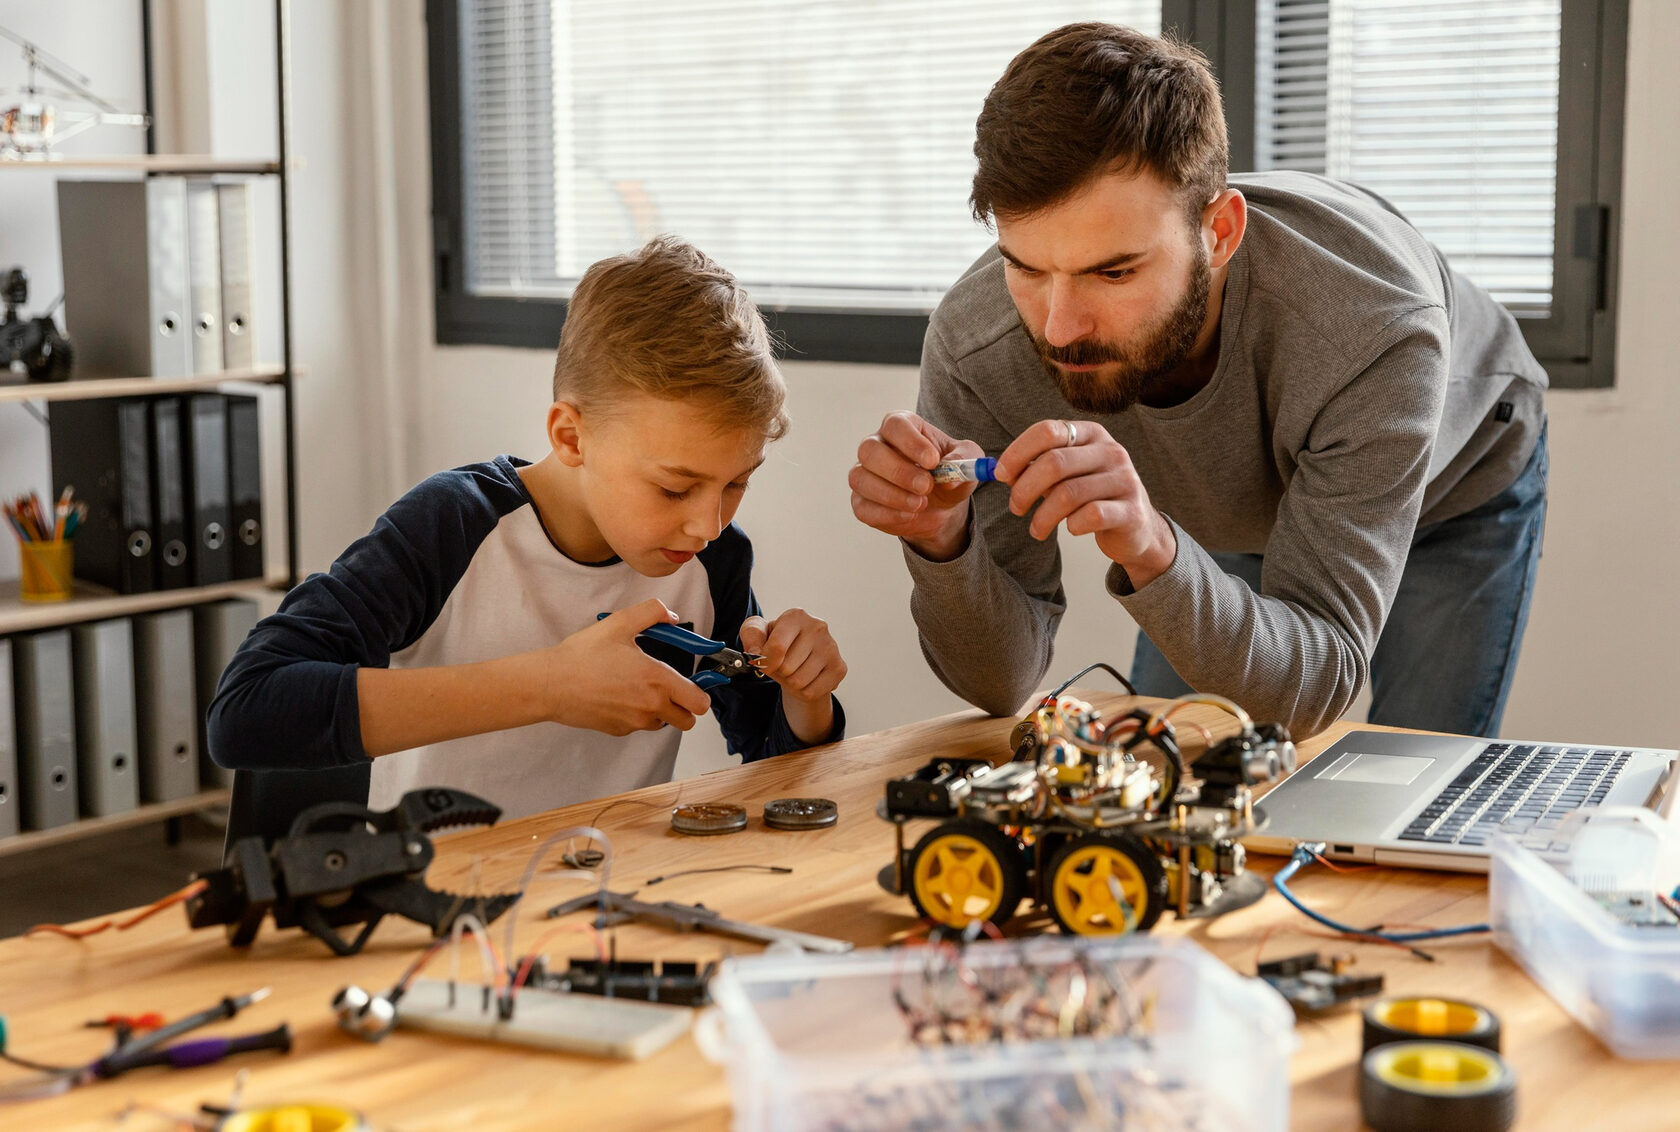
(1141, 365)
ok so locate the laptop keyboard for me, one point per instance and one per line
(1517, 789)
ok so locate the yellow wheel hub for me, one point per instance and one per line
(959, 880)
(1085, 897)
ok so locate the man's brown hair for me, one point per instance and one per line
(1090, 99)
(669, 322)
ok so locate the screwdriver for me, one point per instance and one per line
(120, 1058)
(204, 1051)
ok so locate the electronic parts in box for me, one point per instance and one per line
(1142, 1033)
(1583, 912)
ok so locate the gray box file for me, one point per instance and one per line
(219, 628)
(166, 705)
(46, 728)
(121, 241)
(204, 275)
(106, 763)
(239, 256)
(9, 803)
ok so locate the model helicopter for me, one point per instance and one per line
(1076, 823)
(31, 125)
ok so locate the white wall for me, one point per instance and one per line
(1601, 657)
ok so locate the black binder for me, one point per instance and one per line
(204, 434)
(169, 496)
(101, 449)
(245, 485)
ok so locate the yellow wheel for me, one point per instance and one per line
(1106, 884)
(1429, 1085)
(964, 871)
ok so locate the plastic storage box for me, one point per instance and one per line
(819, 1042)
(1581, 914)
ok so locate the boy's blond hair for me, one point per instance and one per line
(668, 321)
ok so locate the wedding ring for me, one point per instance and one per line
(1073, 434)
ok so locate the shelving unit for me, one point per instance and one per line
(93, 603)
(136, 386)
(178, 163)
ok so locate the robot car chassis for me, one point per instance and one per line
(1105, 841)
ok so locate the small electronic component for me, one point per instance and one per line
(982, 469)
(671, 981)
(708, 818)
(800, 813)
(1313, 985)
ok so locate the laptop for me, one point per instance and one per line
(1435, 801)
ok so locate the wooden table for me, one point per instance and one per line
(415, 1081)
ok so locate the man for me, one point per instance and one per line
(1312, 452)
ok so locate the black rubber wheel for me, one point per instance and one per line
(1436, 1087)
(966, 870)
(1422, 1018)
(1076, 888)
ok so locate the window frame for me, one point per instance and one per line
(1576, 344)
(465, 319)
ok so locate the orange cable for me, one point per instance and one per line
(150, 910)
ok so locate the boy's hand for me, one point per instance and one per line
(801, 656)
(600, 679)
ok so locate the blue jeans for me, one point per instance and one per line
(1448, 651)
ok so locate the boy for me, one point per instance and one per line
(457, 643)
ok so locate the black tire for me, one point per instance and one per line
(1483, 1098)
(1003, 876)
(1397, 1019)
(1149, 879)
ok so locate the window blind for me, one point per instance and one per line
(1448, 110)
(820, 149)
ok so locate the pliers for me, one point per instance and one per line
(719, 664)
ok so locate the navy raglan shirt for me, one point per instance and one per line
(461, 570)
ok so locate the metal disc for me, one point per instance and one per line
(800, 813)
(709, 817)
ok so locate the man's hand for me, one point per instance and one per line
(600, 679)
(1083, 477)
(801, 655)
(893, 489)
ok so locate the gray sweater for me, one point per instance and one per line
(1363, 388)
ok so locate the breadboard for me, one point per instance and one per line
(575, 1023)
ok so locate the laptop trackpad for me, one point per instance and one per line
(1385, 770)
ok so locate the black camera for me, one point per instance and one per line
(36, 342)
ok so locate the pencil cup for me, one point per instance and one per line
(45, 570)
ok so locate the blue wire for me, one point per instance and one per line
(1294, 866)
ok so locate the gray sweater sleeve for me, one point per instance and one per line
(987, 618)
(1299, 650)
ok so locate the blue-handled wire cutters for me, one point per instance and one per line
(719, 664)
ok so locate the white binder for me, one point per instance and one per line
(239, 255)
(166, 705)
(219, 628)
(204, 275)
(119, 240)
(9, 801)
(105, 738)
(46, 728)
